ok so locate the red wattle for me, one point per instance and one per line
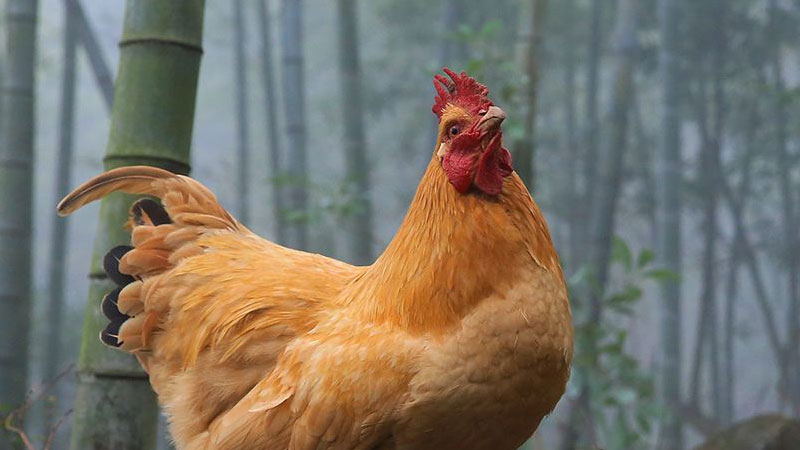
(466, 166)
(493, 167)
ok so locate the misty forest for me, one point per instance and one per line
(660, 139)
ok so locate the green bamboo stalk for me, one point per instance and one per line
(271, 116)
(355, 147)
(242, 119)
(294, 105)
(58, 241)
(668, 175)
(94, 54)
(151, 124)
(16, 185)
(525, 155)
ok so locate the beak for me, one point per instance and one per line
(492, 119)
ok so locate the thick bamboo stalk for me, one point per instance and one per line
(16, 184)
(151, 124)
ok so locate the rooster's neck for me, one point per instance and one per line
(451, 251)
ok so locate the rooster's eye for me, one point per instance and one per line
(454, 130)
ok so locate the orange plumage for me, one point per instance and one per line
(458, 336)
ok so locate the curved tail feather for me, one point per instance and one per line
(181, 195)
(162, 236)
(134, 180)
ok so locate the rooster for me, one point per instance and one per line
(458, 336)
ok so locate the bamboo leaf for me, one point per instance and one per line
(646, 256)
(661, 275)
(621, 253)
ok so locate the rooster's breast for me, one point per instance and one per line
(489, 384)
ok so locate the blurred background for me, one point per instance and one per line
(660, 138)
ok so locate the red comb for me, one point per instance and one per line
(461, 90)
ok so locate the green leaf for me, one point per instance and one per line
(625, 396)
(621, 253)
(646, 256)
(662, 275)
(624, 299)
(491, 28)
(580, 277)
(465, 32)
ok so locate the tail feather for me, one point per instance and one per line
(133, 180)
(142, 262)
(131, 334)
(110, 306)
(110, 334)
(129, 301)
(111, 265)
(182, 196)
(162, 236)
(148, 212)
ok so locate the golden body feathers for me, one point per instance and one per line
(458, 336)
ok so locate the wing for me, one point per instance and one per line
(205, 305)
(338, 387)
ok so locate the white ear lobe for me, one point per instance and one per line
(442, 150)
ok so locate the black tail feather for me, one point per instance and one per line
(109, 304)
(111, 265)
(144, 212)
(145, 209)
(110, 308)
(110, 334)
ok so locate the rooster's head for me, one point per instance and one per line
(470, 142)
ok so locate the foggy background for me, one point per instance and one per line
(737, 101)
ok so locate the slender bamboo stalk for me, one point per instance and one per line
(732, 282)
(242, 120)
(668, 175)
(571, 123)
(581, 421)
(593, 63)
(151, 124)
(294, 103)
(526, 149)
(610, 170)
(784, 167)
(58, 239)
(453, 52)
(97, 61)
(756, 277)
(270, 107)
(720, 107)
(355, 148)
(710, 131)
(16, 185)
